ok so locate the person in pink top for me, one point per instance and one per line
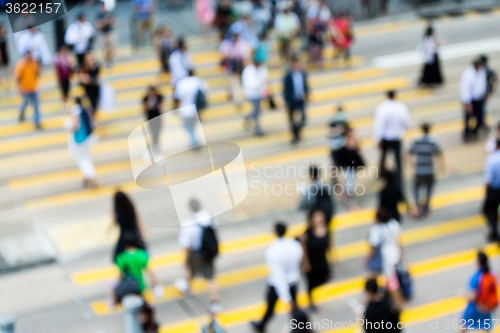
(63, 66)
(340, 29)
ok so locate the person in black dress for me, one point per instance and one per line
(90, 80)
(431, 72)
(391, 195)
(153, 107)
(4, 53)
(316, 243)
(128, 221)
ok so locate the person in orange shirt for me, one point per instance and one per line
(26, 73)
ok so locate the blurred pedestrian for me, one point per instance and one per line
(79, 34)
(225, 15)
(27, 72)
(81, 137)
(431, 72)
(198, 239)
(165, 45)
(33, 40)
(491, 75)
(286, 27)
(317, 195)
(336, 135)
(235, 52)
(473, 93)
(283, 258)
(143, 20)
(350, 159)
(391, 120)
(261, 16)
(105, 24)
(391, 195)
(205, 14)
(482, 297)
(255, 78)
(342, 36)
(382, 309)
(90, 79)
(4, 55)
(316, 245)
(491, 144)
(243, 26)
(296, 94)
(63, 65)
(318, 16)
(152, 105)
(187, 93)
(492, 200)
(299, 323)
(126, 218)
(425, 149)
(179, 63)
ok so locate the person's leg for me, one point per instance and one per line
(23, 107)
(272, 298)
(34, 98)
(155, 127)
(384, 145)
(189, 125)
(478, 107)
(256, 115)
(293, 125)
(417, 191)
(397, 155)
(429, 184)
(490, 210)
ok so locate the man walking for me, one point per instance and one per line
(392, 119)
(33, 40)
(179, 63)
(283, 258)
(254, 79)
(27, 72)
(199, 241)
(79, 35)
(296, 93)
(492, 201)
(473, 93)
(106, 25)
(425, 149)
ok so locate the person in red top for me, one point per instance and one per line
(64, 69)
(340, 29)
(26, 73)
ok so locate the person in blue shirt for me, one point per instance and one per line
(492, 201)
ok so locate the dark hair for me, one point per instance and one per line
(314, 172)
(78, 100)
(301, 319)
(124, 209)
(482, 259)
(339, 108)
(426, 127)
(391, 94)
(383, 215)
(371, 286)
(498, 143)
(429, 31)
(314, 211)
(194, 205)
(280, 229)
(130, 240)
(388, 176)
(484, 58)
(181, 43)
(190, 72)
(80, 16)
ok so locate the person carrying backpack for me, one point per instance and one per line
(199, 240)
(317, 196)
(482, 295)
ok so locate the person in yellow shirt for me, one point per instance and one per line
(26, 73)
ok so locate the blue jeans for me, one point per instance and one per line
(189, 124)
(34, 100)
(255, 115)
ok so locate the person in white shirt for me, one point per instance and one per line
(392, 119)
(79, 34)
(34, 41)
(191, 239)
(179, 63)
(255, 83)
(185, 94)
(283, 259)
(473, 93)
(287, 27)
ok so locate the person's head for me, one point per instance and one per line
(316, 218)
(429, 31)
(32, 28)
(191, 72)
(236, 36)
(81, 18)
(383, 215)
(225, 4)
(295, 65)
(484, 59)
(314, 172)
(124, 207)
(130, 240)
(425, 127)
(102, 6)
(2, 28)
(391, 94)
(371, 287)
(194, 205)
(164, 30)
(78, 101)
(478, 63)
(483, 262)
(280, 229)
(89, 59)
(388, 176)
(63, 49)
(263, 37)
(28, 55)
(152, 90)
(181, 45)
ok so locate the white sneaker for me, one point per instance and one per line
(182, 286)
(214, 307)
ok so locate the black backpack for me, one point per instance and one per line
(200, 100)
(209, 243)
(324, 202)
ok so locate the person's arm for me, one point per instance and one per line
(371, 254)
(465, 91)
(280, 284)
(306, 264)
(152, 277)
(141, 227)
(378, 123)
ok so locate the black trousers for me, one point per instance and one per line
(395, 146)
(478, 114)
(425, 181)
(296, 126)
(490, 210)
(272, 298)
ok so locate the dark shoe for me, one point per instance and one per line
(492, 238)
(259, 134)
(39, 127)
(256, 327)
(295, 141)
(21, 118)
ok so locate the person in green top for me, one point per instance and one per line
(133, 261)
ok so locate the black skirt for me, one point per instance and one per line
(432, 72)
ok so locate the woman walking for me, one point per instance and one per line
(125, 216)
(153, 107)
(80, 139)
(165, 45)
(341, 32)
(316, 244)
(90, 80)
(431, 72)
(63, 66)
(4, 55)
(391, 195)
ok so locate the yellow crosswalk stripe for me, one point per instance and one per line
(341, 222)
(341, 289)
